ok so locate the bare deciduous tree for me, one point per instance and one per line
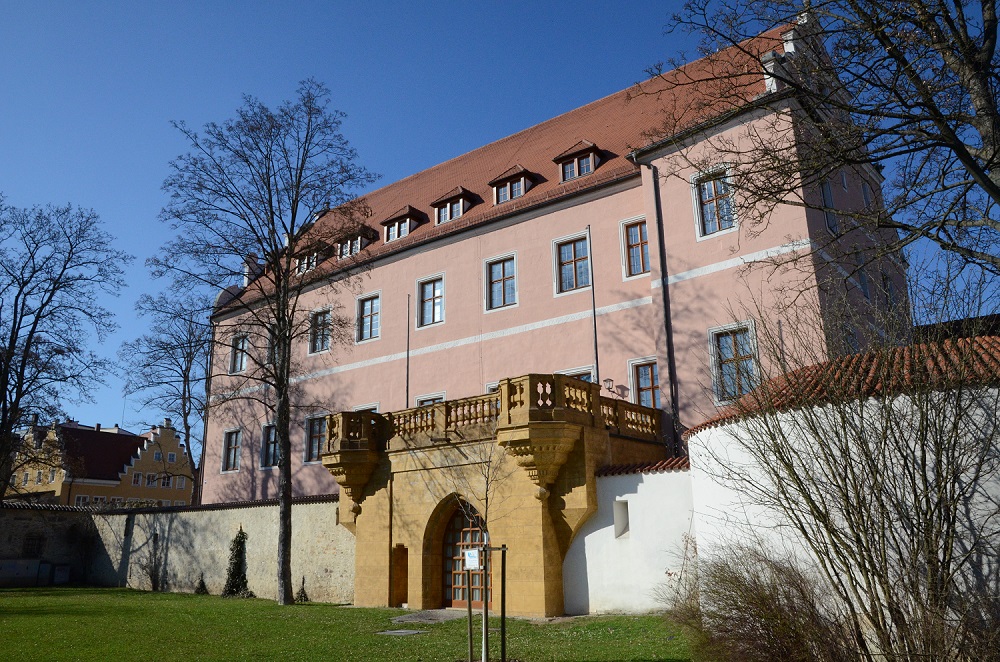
(883, 470)
(54, 263)
(169, 365)
(907, 88)
(260, 203)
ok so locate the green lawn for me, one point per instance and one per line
(121, 624)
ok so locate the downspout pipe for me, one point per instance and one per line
(667, 321)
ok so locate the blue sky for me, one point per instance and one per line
(88, 90)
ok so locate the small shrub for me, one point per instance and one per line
(236, 574)
(302, 596)
(200, 588)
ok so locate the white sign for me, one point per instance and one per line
(472, 559)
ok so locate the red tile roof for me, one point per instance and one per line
(927, 366)
(579, 148)
(98, 455)
(513, 171)
(671, 464)
(619, 123)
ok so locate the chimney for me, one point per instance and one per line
(167, 423)
(251, 269)
(97, 427)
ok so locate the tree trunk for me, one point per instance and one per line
(283, 423)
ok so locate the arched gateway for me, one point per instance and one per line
(465, 530)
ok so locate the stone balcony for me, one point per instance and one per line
(532, 417)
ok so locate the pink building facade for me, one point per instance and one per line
(509, 260)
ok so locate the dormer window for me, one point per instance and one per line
(578, 161)
(350, 246)
(307, 263)
(512, 183)
(397, 229)
(451, 205)
(401, 223)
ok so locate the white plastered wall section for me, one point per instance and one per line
(605, 573)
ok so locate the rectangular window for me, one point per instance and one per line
(181, 482)
(637, 248)
(449, 211)
(25, 480)
(52, 475)
(157, 456)
(269, 455)
(584, 165)
(715, 203)
(231, 459)
(171, 457)
(502, 194)
(307, 263)
(82, 499)
(368, 318)
(569, 170)
(397, 230)
(889, 290)
(100, 500)
(516, 189)
(167, 481)
(574, 265)
(315, 437)
(137, 478)
(832, 223)
(647, 384)
(429, 400)
(116, 502)
(500, 275)
(431, 297)
(866, 193)
(319, 332)
(151, 480)
(38, 477)
(734, 363)
(180, 503)
(238, 354)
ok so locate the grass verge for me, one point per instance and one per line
(104, 624)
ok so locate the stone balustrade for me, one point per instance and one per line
(356, 440)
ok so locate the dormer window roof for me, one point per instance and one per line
(578, 161)
(452, 204)
(511, 183)
(402, 222)
(353, 243)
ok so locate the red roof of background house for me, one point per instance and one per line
(617, 124)
(98, 455)
(934, 366)
(663, 466)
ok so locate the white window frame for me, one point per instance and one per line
(180, 482)
(429, 396)
(371, 406)
(180, 503)
(82, 500)
(157, 456)
(225, 450)
(307, 263)
(171, 458)
(724, 170)
(306, 438)
(238, 353)
(377, 294)
(623, 240)
(575, 372)
(633, 388)
(508, 190)
(401, 227)
(152, 480)
(420, 307)
(830, 216)
(313, 314)
(576, 166)
(576, 236)
(714, 357)
(137, 478)
(448, 207)
(263, 446)
(486, 282)
(491, 387)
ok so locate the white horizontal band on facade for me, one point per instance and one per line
(452, 344)
(740, 261)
